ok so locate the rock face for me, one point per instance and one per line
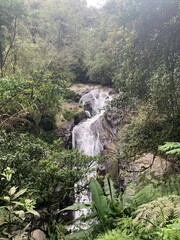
(67, 134)
(148, 163)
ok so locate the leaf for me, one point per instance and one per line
(77, 207)
(2, 221)
(18, 203)
(19, 193)
(170, 148)
(128, 195)
(34, 212)
(20, 213)
(7, 198)
(17, 237)
(98, 198)
(158, 211)
(12, 191)
(109, 189)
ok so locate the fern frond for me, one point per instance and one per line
(147, 194)
(158, 211)
(170, 148)
(128, 195)
(170, 185)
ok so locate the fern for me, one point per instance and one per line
(159, 211)
(171, 231)
(146, 194)
(116, 234)
(171, 148)
(170, 185)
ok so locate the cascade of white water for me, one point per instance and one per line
(86, 135)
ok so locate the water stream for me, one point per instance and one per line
(87, 136)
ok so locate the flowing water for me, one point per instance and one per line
(87, 137)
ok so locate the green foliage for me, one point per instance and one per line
(109, 189)
(98, 199)
(70, 114)
(14, 209)
(169, 184)
(100, 70)
(26, 101)
(127, 196)
(141, 43)
(48, 171)
(171, 231)
(146, 194)
(146, 132)
(142, 211)
(84, 234)
(22, 152)
(10, 12)
(170, 148)
(132, 44)
(159, 211)
(116, 234)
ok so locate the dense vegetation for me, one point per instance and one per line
(45, 46)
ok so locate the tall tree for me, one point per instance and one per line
(10, 12)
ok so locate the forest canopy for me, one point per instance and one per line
(132, 46)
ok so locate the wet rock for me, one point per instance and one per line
(101, 170)
(113, 91)
(88, 114)
(67, 136)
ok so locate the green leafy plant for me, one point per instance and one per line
(116, 234)
(171, 231)
(158, 212)
(99, 200)
(13, 210)
(170, 148)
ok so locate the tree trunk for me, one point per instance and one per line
(1, 60)
(15, 63)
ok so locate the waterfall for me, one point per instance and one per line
(86, 135)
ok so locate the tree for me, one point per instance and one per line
(10, 12)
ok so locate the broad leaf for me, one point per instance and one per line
(33, 212)
(98, 198)
(19, 193)
(20, 213)
(109, 189)
(77, 206)
(12, 191)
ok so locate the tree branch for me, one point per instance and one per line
(11, 43)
